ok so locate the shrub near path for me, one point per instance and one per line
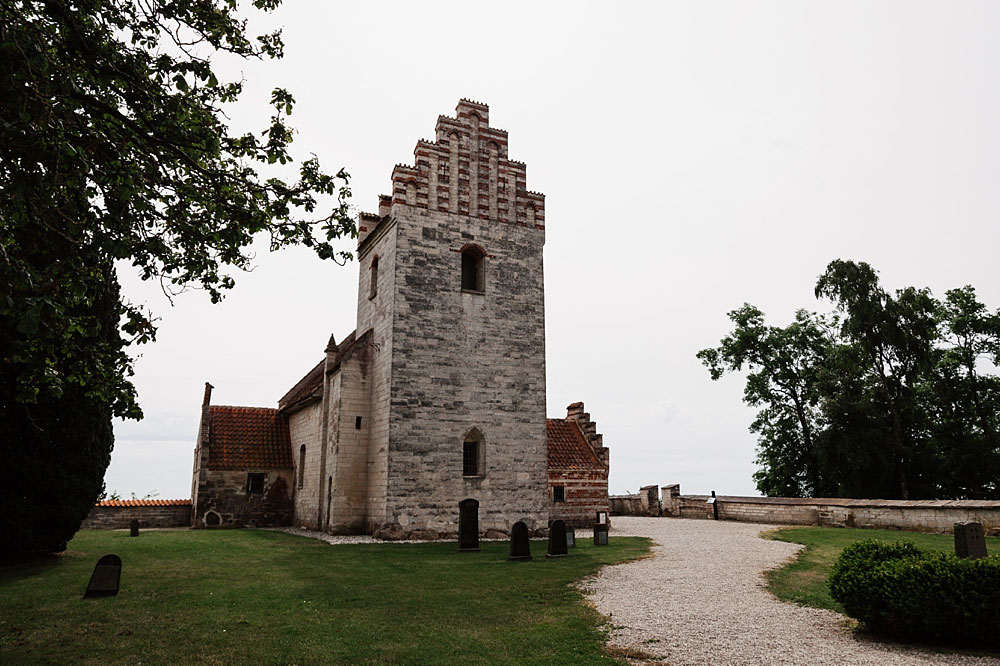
(248, 596)
(804, 579)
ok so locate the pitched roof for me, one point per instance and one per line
(568, 448)
(310, 387)
(145, 502)
(248, 437)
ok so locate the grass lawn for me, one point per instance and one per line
(803, 580)
(248, 596)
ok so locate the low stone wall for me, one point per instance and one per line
(913, 515)
(645, 503)
(118, 514)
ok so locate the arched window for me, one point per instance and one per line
(472, 454)
(473, 269)
(302, 465)
(373, 285)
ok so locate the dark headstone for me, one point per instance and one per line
(107, 574)
(133, 527)
(602, 517)
(600, 534)
(570, 537)
(557, 539)
(520, 547)
(468, 526)
(969, 540)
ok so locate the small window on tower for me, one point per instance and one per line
(558, 493)
(473, 270)
(255, 483)
(373, 286)
(470, 459)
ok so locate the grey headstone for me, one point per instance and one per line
(520, 546)
(970, 541)
(107, 574)
(600, 535)
(133, 527)
(468, 526)
(570, 537)
(557, 539)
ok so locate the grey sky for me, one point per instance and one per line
(693, 156)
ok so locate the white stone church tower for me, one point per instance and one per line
(440, 394)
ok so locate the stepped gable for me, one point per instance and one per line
(248, 437)
(466, 171)
(568, 448)
(310, 388)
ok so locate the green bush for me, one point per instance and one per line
(898, 589)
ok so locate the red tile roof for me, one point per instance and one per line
(568, 448)
(144, 502)
(248, 438)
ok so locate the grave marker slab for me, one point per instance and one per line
(970, 541)
(570, 537)
(557, 539)
(468, 526)
(133, 527)
(104, 581)
(600, 535)
(520, 546)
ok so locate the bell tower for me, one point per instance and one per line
(451, 286)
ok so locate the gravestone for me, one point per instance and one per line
(133, 527)
(602, 517)
(557, 539)
(570, 537)
(468, 526)
(104, 581)
(520, 547)
(601, 534)
(969, 540)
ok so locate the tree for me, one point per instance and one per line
(781, 366)
(114, 146)
(895, 334)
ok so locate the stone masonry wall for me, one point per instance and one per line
(376, 314)
(304, 430)
(912, 515)
(586, 493)
(223, 494)
(169, 513)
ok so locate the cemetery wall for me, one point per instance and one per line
(913, 515)
(585, 492)
(118, 514)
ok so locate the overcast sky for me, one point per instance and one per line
(694, 156)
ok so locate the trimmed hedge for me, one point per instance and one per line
(898, 589)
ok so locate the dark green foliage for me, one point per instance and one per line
(892, 396)
(114, 150)
(898, 589)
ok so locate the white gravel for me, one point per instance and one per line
(701, 600)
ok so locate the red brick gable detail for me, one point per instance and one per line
(568, 448)
(248, 438)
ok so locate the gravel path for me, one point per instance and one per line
(701, 600)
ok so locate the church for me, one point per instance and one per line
(438, 396)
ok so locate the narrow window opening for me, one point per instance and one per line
(373, 285)
(357, 423)
(302, 465)
(470, 459)
(255, 483)
(473, 270)
(558, 493)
